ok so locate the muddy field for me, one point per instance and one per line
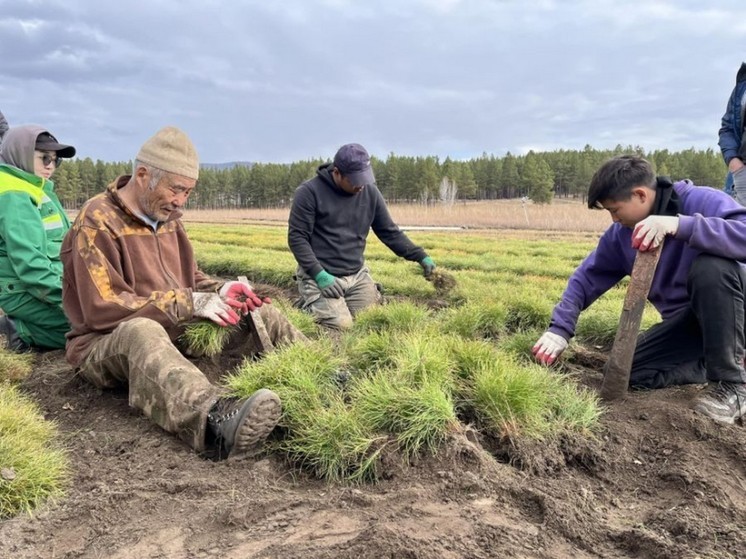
(661, 482)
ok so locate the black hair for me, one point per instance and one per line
(616, 178)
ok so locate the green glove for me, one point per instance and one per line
(428, 266)
(324, 279)
(330, 286)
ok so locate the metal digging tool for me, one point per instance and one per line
(619, 365)
(265, 343)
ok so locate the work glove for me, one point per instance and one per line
(428, 266)
(241, 293)
(649, 233)
(212, 307)
(331, 287)
(549, 347)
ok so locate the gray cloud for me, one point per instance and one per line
(271, 81)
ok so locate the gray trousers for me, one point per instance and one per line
(162, 383)
(360, 292)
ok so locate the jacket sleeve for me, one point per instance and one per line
(729, 141)
(300, 229)
(600, 271)
(718, 228)
(25, 238)
(104, 296)
(390, 234)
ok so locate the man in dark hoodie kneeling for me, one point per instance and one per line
(329, 223)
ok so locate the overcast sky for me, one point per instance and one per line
(278, 81)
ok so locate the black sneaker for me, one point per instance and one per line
(723, 402)
(240, 425)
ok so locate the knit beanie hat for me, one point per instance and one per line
(171, 150)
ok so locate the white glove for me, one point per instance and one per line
(212, 307)
(649, 233)
(549, 347)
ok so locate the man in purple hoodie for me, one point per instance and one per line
(699, 287)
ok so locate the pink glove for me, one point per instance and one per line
(240, 295)
(549, 347)
(650, 232)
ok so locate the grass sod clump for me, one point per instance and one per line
(322, 433)
(395, 317)
(418, 417)
(32, 471)
(333, 442)
(205, 338)
(15, 367)
(304, 375)
(475, 320)
(513, 400)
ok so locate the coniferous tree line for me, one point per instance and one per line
(540, 176)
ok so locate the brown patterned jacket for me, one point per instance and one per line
(116, 268)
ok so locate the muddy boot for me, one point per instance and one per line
(240, 425)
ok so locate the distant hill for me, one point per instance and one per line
(228, 165)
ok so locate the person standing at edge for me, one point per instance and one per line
(32, 226)
(732, 138)
(699, 286)
(131, 284)
(330, 218)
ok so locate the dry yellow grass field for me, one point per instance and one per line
(488, 214)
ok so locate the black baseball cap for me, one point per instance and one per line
(46, 142)
(353, 162)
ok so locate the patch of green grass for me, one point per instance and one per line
(205, 338)
(370, 351)
(474, 320)
(32, 469)
(418, 417)
(15, 367)
(302, 374)
(302, 320)
(334, 444)
(396, 317)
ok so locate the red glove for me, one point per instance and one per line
(240, 295)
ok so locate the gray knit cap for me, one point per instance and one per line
(171, 150)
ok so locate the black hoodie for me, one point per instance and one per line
(328, 227)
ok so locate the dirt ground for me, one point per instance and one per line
(661, 482)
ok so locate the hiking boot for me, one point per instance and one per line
(723, 402)
(240, 425)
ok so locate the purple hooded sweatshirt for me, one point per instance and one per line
(710, 222)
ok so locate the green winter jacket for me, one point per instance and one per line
(32, 227)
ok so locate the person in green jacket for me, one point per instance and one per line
(32, 227)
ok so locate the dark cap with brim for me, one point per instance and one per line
(46, 142)
(353, 162)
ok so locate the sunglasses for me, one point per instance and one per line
(47, 160)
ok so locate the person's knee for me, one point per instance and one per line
(708, 270)
(142, 330)
(339, 322)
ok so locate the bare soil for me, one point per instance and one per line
(661, 482)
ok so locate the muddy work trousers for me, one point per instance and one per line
(360, 292)
(704, 342)
(162, 383)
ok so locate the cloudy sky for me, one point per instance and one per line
(294, 79)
